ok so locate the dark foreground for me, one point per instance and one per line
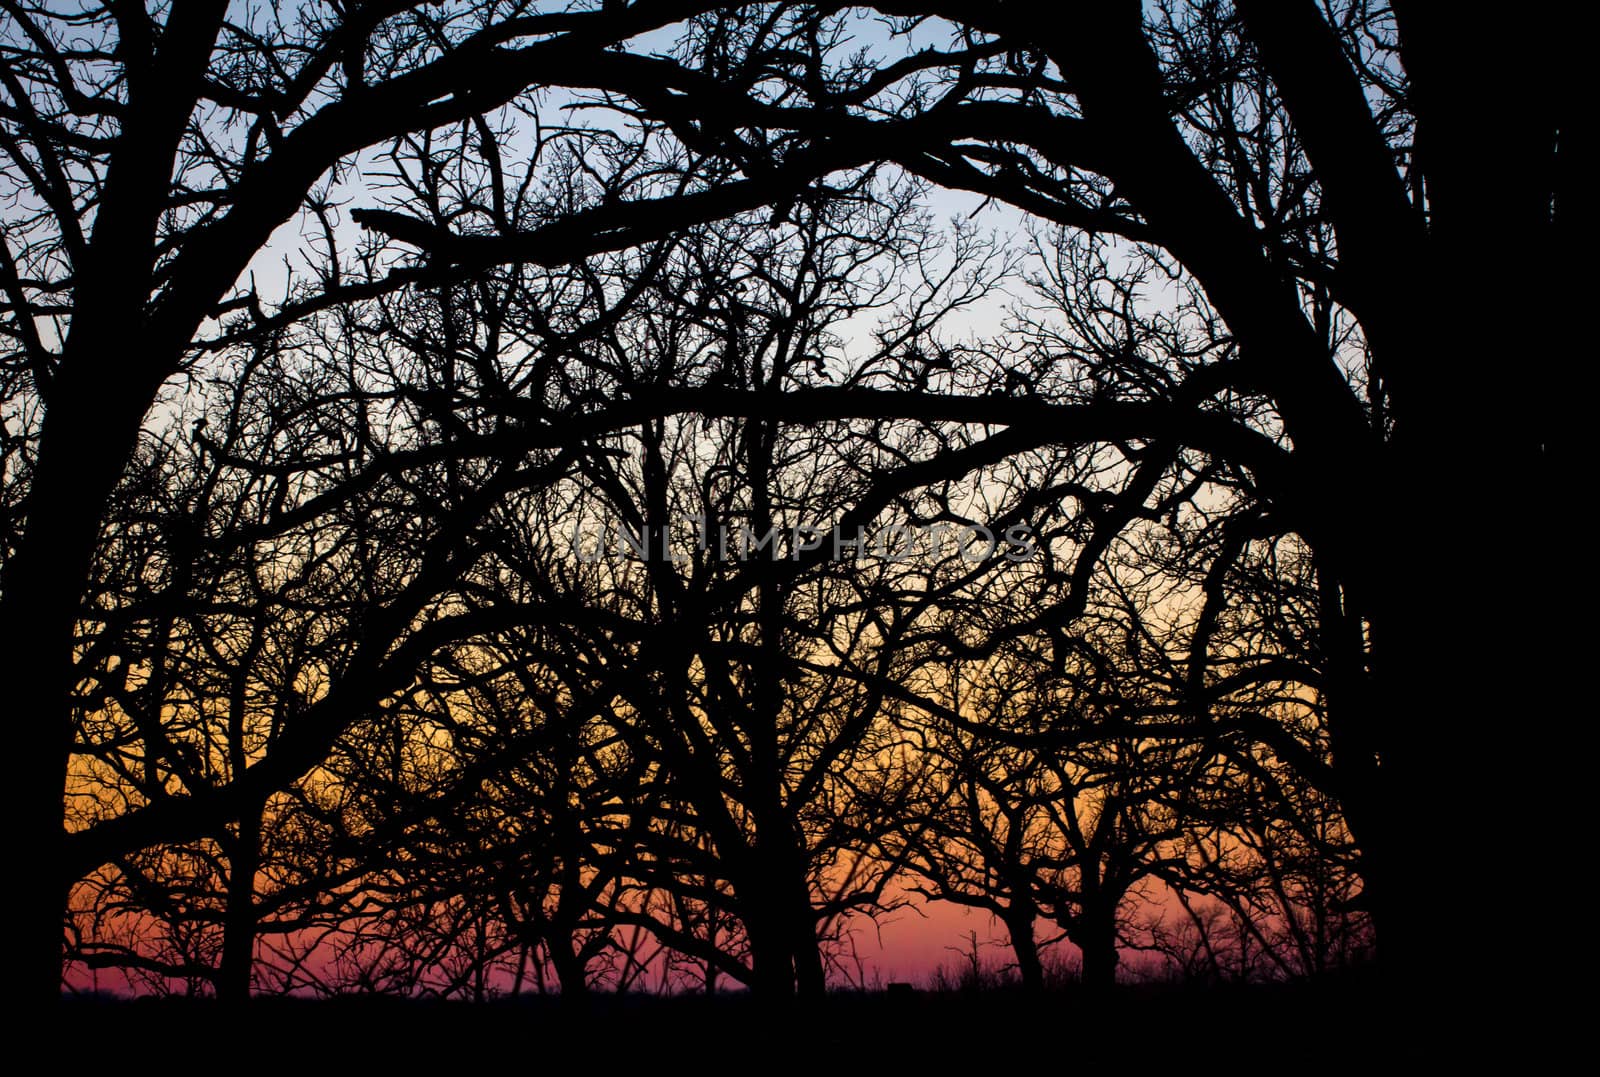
(1329, 1027)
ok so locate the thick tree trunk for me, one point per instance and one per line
(1029, 968)
(1096, 935)
(1476, 658)
(571, 971)
(780, 925)
(36, 895)
(239, 925)
(83, 444)
(810, 977)
(1441, 781)
(1461, 628)
(771, 960)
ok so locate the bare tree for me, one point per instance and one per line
(1306, 165)
(153, 154)
(1311, 175)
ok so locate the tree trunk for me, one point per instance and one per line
(779, 922)
(1029, 968)
(810, 976)
(239, 923)
(1096, 936)
(1462, 656)
(1437, 714)
(82, 446)
(771, 960)
(1474, 656)
(571, 971)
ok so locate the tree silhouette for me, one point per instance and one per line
(1266, 369)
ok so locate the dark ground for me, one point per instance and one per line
(1336, 1026)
